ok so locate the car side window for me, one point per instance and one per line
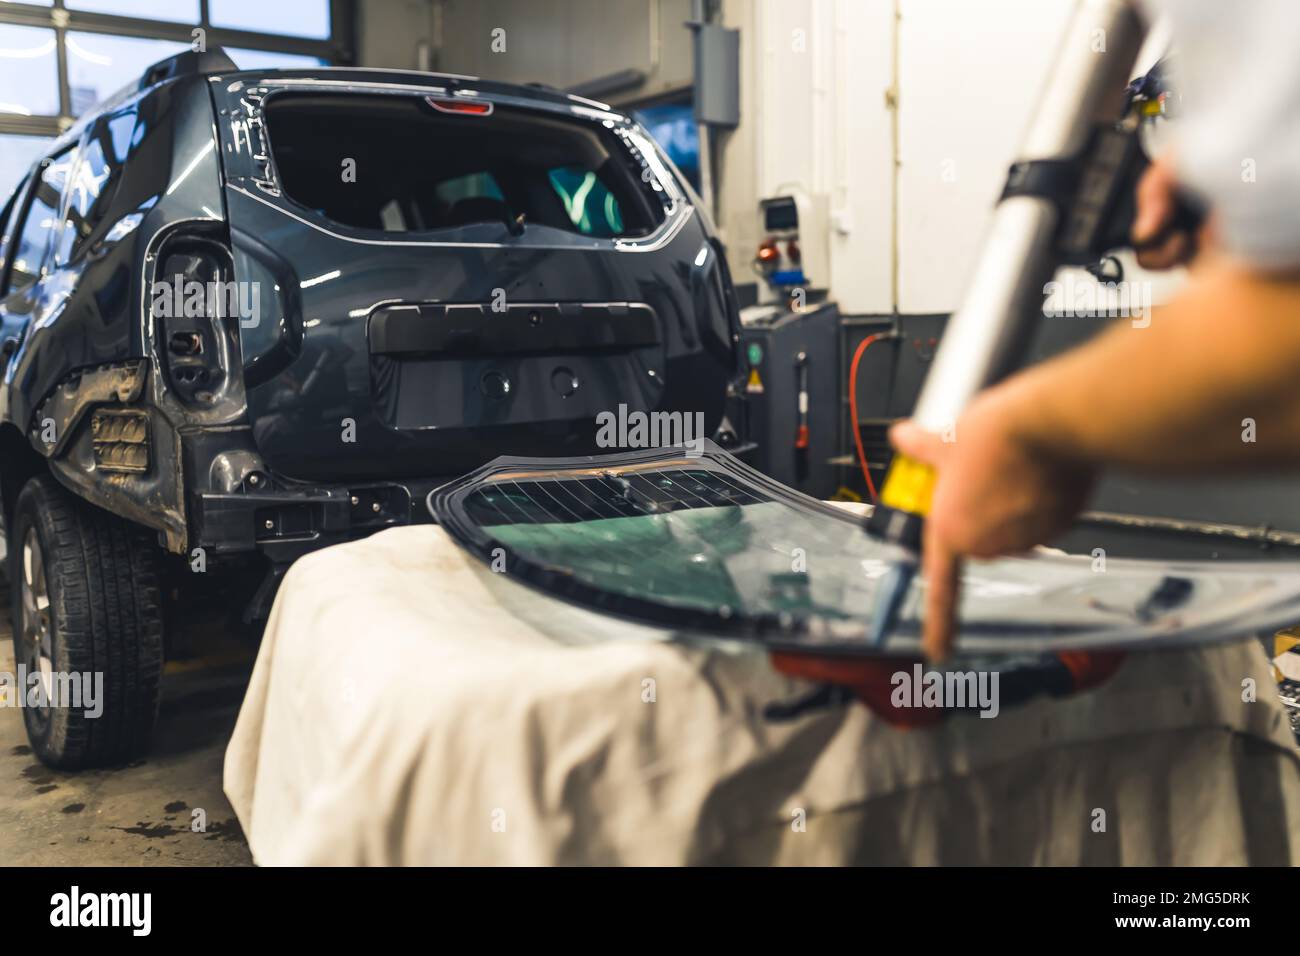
(61, 175)
(41, 224)
(8, 217)
(92, 182)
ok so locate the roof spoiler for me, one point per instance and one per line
(188, 63)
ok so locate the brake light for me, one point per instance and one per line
(768, 252)
(469, 107)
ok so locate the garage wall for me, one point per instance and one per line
(567, 42)
(820, 116)
(390, 32)
(816, 113)
(967, 91)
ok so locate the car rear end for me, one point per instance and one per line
(433, 271)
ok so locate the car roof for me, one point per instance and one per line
(216, 63)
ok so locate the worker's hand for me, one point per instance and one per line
(995, 494)
(1157, 201)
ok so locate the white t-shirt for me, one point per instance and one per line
(1237, 139)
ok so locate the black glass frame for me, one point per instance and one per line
(1135, 604)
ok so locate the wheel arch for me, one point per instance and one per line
(19, 462)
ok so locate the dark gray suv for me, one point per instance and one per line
(250, 314)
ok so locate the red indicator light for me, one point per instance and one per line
(468, 107)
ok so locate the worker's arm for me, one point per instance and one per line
(1216, 367)
(1182, 393)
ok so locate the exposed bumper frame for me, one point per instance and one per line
(285, 524)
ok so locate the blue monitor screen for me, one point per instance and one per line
(674, 129)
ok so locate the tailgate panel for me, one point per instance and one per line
(381, 356)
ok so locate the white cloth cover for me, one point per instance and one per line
(410, 706)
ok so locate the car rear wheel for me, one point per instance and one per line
(87, 608)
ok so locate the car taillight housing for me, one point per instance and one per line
(195, 311)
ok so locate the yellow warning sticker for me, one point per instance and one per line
(755, 384)
(1286, 655)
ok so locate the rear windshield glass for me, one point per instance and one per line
(398, 165)
(712, 546)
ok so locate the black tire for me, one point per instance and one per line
(102, 615)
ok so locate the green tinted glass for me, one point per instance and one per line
(710, 546)
(591, 207)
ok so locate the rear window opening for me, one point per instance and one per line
(417, 169)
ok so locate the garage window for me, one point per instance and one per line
(57, 61)
(408, 167)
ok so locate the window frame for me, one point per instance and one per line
(338, 49)
(11, 212)
(94, 132)
(55, 233)
(664, 213)
(21, 211)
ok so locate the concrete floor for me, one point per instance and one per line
(139, 814)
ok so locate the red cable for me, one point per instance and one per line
(853, 412)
